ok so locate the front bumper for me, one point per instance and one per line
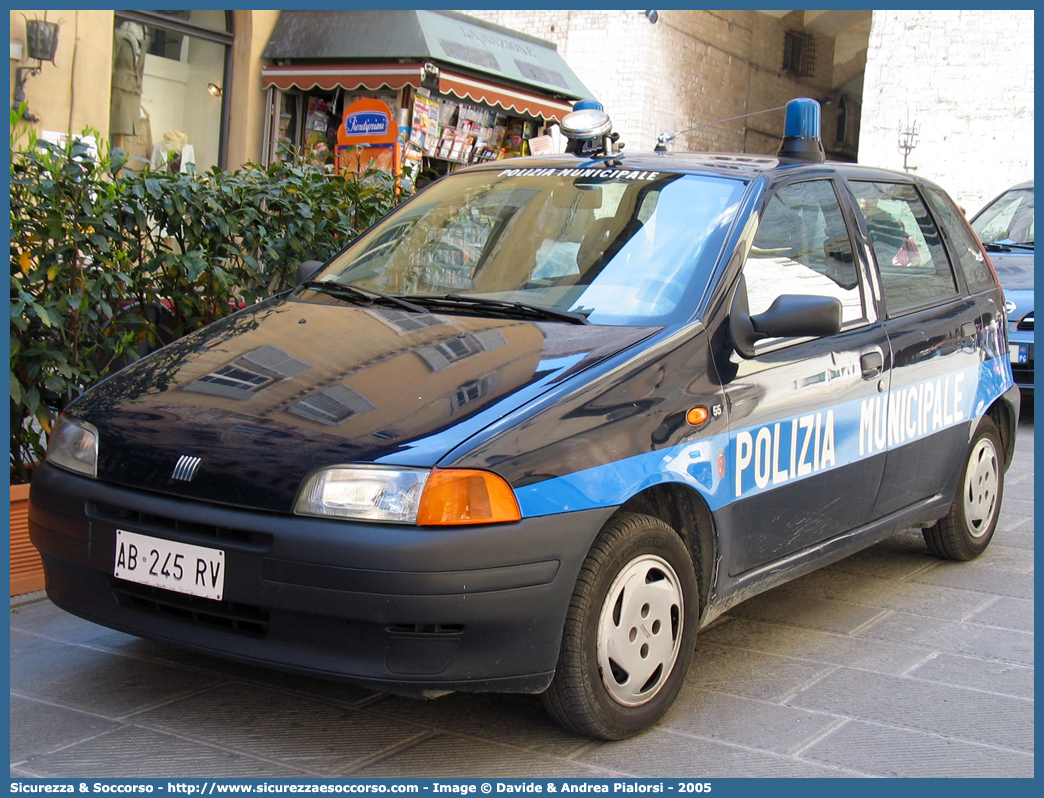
(398, 608)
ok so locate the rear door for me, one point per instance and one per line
(935, 331)
(799, 475)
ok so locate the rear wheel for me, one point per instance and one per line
(630, 631)
(966, 531)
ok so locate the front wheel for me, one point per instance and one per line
(966, 531)
(630, 631)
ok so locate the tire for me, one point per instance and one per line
(966, 530)
(630, 631)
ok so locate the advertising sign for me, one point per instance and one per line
(367, 137)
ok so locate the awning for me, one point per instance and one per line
(476, 59)
(374, 77)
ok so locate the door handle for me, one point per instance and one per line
(872, 364)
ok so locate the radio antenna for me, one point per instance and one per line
(663, 138)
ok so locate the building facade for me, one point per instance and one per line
(954, 87)
(957, 87)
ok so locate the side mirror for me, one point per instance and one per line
(307, 269)
(789, 316)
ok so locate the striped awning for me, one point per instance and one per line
(374, 77)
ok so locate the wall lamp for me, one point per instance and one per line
(652, 16)
(42, 41)
(214, 90)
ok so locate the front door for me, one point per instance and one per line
(799, 474)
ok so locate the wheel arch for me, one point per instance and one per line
(685, 511)
(1006, 417)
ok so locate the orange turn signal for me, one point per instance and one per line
(459, 496)
(697, 416)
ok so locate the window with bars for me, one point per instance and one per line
(799, 54)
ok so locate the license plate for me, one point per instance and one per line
(183, 568)
(1019, 353)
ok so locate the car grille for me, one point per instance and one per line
(1025, 324)
(121, 517)
(229, 616)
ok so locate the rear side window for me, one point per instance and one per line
(802, 247)
(969, 254)
(911, 258)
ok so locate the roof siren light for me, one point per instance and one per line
(588, 128)
(801, 132)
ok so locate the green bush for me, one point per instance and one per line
(96, 250)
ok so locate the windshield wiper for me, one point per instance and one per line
(520, 309)
(358, 294)
(1006, 246)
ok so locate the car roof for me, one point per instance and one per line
(745, 166)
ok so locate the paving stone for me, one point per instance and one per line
(1007, 558)
(816, 646)
(954, 712)
(1022, 507)
(1006, 613)
(100, 682)
(954, 638)
(682, 756)
(980, 577)
(299, 732)
(978, 673)
(450, 756)
(132, 752)
(795, 609)
(44, 618)
(753, 674)
(329, 689)
(517, 720)
(1022, 490)
(745, 721)
(891, 594)
(39, 728)
(1022, 539)
(890, 752)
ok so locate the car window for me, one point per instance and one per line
(965, 244)
(1008, 219)
(803, 247)
(911, 259)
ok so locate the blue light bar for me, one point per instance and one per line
(802, 119)
(801, 139)
(584, 105)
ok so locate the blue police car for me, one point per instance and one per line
(546, 420)
(1005, 227)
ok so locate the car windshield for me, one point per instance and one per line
(614, 246)
(1008, 220)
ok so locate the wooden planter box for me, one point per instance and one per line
(27, 573)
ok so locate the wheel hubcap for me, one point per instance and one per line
(639, 630)
(980, 487)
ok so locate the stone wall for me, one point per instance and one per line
(691, 68)
(965, 79)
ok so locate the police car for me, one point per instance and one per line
(546, 420)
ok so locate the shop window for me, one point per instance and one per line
(169, 105)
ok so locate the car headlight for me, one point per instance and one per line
(73, 444)
(443, 497)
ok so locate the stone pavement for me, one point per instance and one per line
(888, 663)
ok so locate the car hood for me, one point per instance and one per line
(274, 392)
